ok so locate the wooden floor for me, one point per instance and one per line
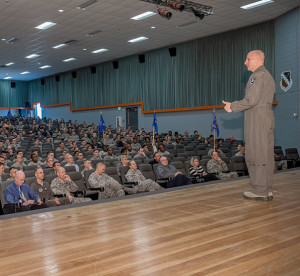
(208, 230)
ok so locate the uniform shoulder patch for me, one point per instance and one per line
(252, 81)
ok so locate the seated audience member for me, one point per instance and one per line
(80, 156)
(220, 152)
(124, 162)
(220, 141)
(1, 171)
(143, 184)
(123, 153)
(156, 159)
(49, 163)
(103, 152)
(61, 147)
(87, 166)
(34, 161)
(2, 160)
(279, 163)
(201, 138)
(12, 173)
(70, 162)
(43, 190)
(219, 167)
(96, 155)
(109, 155)
(198, 173)
(135, 145)
(140, 154)
(62, 185)
(241, 152)
(55, 166)
(95, 144)
(109, 186)
(19, 162)
(164, 170)
(9, 152)
(145, 148)
(162, 151)
(186, 135)
(211, 139)
(231, 138)
(21, 193)
(50, 154)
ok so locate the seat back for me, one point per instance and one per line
(179, 166)
(147, 171)
(3, 186)
(86, 178)
(291, 154)
(123, 171)
(112, 172)
(239, 164)
(76, 177)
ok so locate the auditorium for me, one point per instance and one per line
(149, 137)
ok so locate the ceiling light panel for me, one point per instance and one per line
(69, 59)
(138, 39)
(45, 66)
(45, 25)
(33, 56)
(9, 64)
(256, 4)
(99, 51)
(24, 73)
(59, 46)
(143, 15)
(7, 78)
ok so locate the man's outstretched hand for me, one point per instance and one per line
(227, 106)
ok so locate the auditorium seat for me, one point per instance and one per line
(179, 166)
(239, 165)
(292, 156)
(112, 172)
(147, 171)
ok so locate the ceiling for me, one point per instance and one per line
(20, 17)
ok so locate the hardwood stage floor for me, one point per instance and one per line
(208, 230)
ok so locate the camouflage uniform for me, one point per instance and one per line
(144, 185)
(112, 188)
(218, 168)
(45, 193)
(20, 166)
(61, 187)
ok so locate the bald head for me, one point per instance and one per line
(19, 178)
(255, 59)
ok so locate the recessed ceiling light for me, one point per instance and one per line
(153, 27)
(6, 78)
(3, 39)
(10, 63)
(256, 4)
(26, 72)
(99, 51)
(45, 66)
(60, 10)
(138, 39)
(84, 49)
(143, 15)
(45, 25)
(33, 56)
(69, 59)
(59, 46)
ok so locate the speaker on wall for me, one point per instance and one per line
(74, 74)
(13, 84)
(142, 58)
(172, 52)
(42, 81)
(57, 78)
(116, 64)
(93, 70)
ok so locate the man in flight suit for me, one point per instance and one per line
(259, 126)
